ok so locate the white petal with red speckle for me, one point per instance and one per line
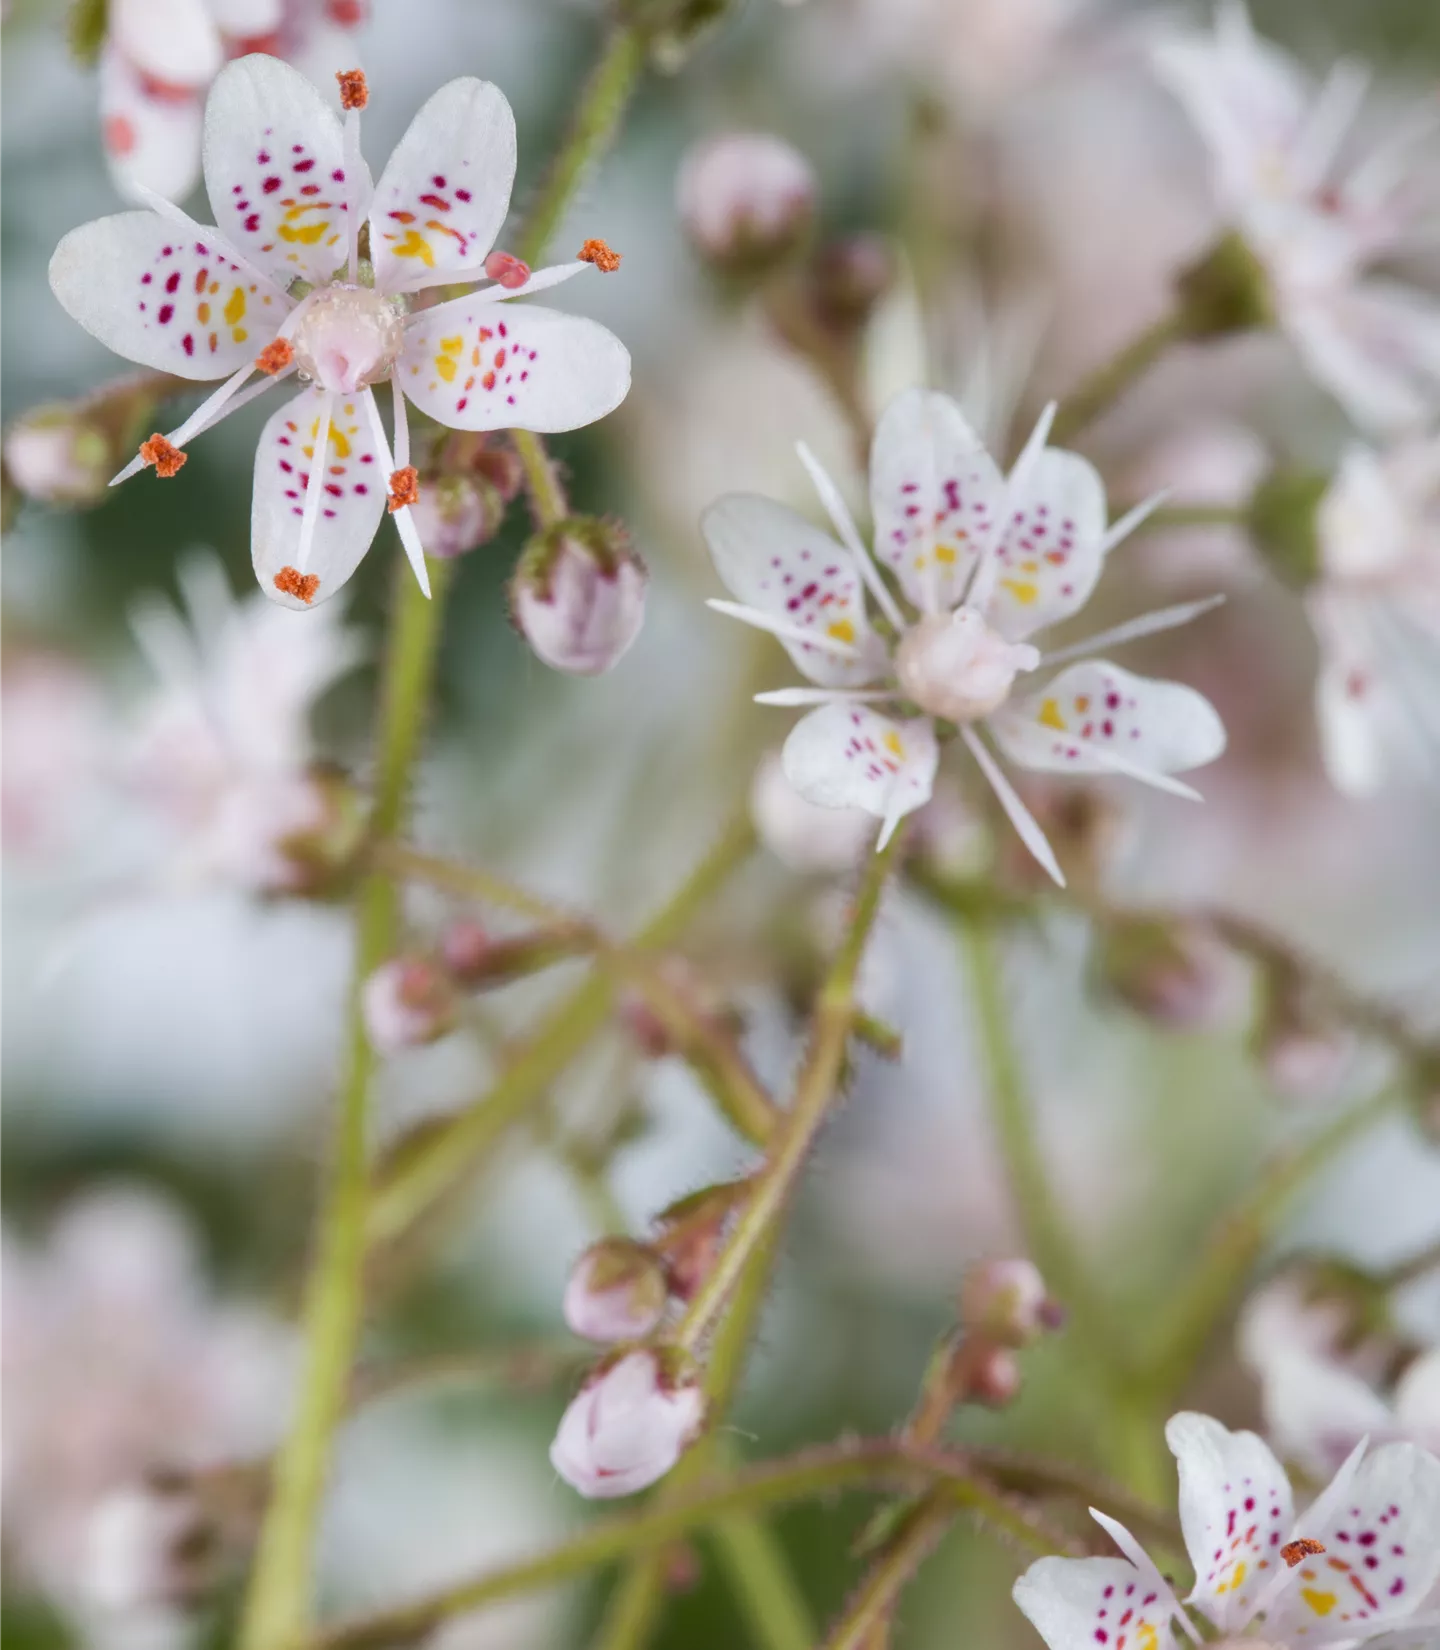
(772, 559)
(478, 365)
(1053, 549)
(275, 169)
(175, 42)
(1382, 1552)
(848, 756)
(1236, 1512)
(351, 505)
(935, 494)
(1095, 1604)
(157, 295)
(150, 141)
(446, 189)
(1095, 711)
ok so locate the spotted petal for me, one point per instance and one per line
(157, 295)
(849, 756)
(1236, 1511)
(1053, 548)
(774, 560)
(351, 503)
(150, 141)
(1097, 718)
(935, 496)
(1085, 1603)
(476, 364)
(1381, 1554)
(275, 169)
(446, 189)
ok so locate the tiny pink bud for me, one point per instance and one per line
(1006, 1301)
(578, 596)
(456, 514)
(746, 198)
(53, 455)
(995, 1380)
(1174, 972)
(511, 272)
(629, 1424)
(465, 947)
(616, 1291)
(406, 1002)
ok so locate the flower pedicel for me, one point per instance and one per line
(279, 288)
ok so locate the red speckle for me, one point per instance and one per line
(488, 380)
(120, 135)
(462, 194)
(146, 278)
(166, 312)
(309, 188)
(436, 202)
(270, 185)
(462, 403)
(252, 223)
(188, 342)
(438, 181)
(303, 166)
(201, 276)
(172, 284)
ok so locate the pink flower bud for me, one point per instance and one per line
(616, 1291)
(1006, 1301)
(746, 198)
(629, 1424)
(1176, 973)
(801, 834)
(995, 1380)
(406, 1002)
(53, 455)
(511, 272)
(465, 946)
(456, 514)
(578, 596)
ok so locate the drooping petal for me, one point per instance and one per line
(485, 366)
(849, 756)
(150, 141)
(275, 169)
(1381, 1555)
(935, 496)
(352, 499)
(1097, 718)
(772, 559)
(1095, 1604)
(446, 189)
(1236, 1511)
(158, 296)
(1053, 548)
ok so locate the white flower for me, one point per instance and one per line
(1274, 140)
(158, 60)
(290, 192)
(987, 561)
(1376, 613)
(629, 1424)
(1355, 1565)
(222, 752)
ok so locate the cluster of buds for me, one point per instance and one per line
(578, 595)
(746, 200)
(1004, 1306)
(465, 486)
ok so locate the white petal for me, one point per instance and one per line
(1382, 1555)
(1417, 1400)
(848, 756)
(275, 169)
(173, 41)
(474, 366)
(1375, 345)
(935, 495)
(445, 191)
(1316, 1411)
(143, 288)
(354, 489)
(772, 559)
(1082, 1603)
(1054, 545)
(1236, 1510)
(1094, 709)
(1362, 520)
(248, 19)
(150, 141)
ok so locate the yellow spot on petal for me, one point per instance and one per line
(1050, 716)
(202, 313)
(445, 366)
(416, 246)
(1146, 1637)
(841, 629)
(1321, 1603)
(1082, 702)
(1023, 590)
(945, 553)
(239, 334)
(235, 306)
(307, 234)
(892, 743)
(452, 346)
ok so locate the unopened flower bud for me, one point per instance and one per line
(465, 946)
(1225, 291)
(630, 1423)
(746, 199)
(994, 1378)
(803, 835)
(1006, 1302)
(407, 1002)
(578, 595)
(455, 514)
(616, 1291)
(1305, 1062)
(1176, 973)
(1286, 514)
(321, 837)
(688, 1234)
(53, 455)
(848, 279)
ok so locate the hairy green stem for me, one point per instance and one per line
(1104, 387)
(818, 1472)
(871, 1606)
(548, 503)
(814, 1094)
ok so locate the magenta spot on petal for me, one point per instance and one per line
(166, 312)
(461, 194)
(189, 344)
(270, 185)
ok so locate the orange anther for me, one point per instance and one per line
(404, 488)
(354, 93)
(290, 581)
(275, 357)
(1296, 1552)
(599, 254)
(167, 459)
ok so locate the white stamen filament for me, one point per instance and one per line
(355, 189)
(191, 428)
(314, 487)
(849, 534)
(987, 567)
(1133, 770)
(402, 423)
(793, 697)
(780, 627)
(1147, 624)
(1122, 529)
(404, 521)
(1019, 815)
(1146, 1566)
